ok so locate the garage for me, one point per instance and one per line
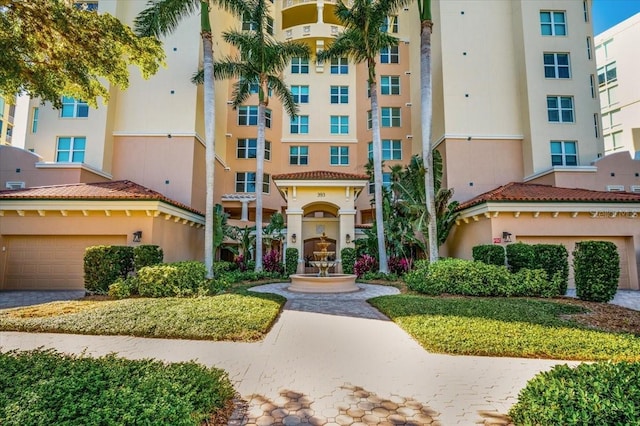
(49, 262)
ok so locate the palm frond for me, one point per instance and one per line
(161, 17)
(284, 94)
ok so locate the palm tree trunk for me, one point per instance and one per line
(426, 117)
(377, 176)
(259, 181)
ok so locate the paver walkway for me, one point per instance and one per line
(332, 360)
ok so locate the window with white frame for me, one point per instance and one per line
(248, 115)
(564, 153)
(553, 23)
(267, 118)
(556, 65)
(386, 183)
(390, 85)
(247, 148)
(70, 149)
(390, 117)
(390, 25)
(247, 23)
(613, 142)
(389, 55)
(560, 109)
(339, 124)
(34, 120)
(607, 74)
(246, 182)
(609, 96)
(300, 94)
(339, 94)
(339, 66)
(300, 124)
(299, 66)
(269, 25)
(369, 120)
(299, 155)
(339, 155)
(391, 149)
(73, 108)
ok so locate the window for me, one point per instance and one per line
(588, 47)
(390, 117)
(596, 124)
(339, 156)
(553, 23)
(299, 155)
(299, 66)
(386, 183)
(247, 148)
(592, 85)
(267, 118)
(585, 8)
(339, 124)
(613, 142)
(247, 116)
(391, 149)
(300, 124)
(609, 96)
(339, 94)
(246, 182)
(560, 109)
(72, 108)
(339, 66)
(247, 23)
(369, 120)
(34, 120)
(390, 25)
(71, 149)
(564, 153)
(607, 74)
(390, 85)
(300, 94)
(269, 25)
(389, 55)
(556, 65)
(2, 106)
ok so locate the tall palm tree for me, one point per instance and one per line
(260, 61)
(362, 41)
(426, 116)
(162, 17)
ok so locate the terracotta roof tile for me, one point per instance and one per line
(113, 190)
(519, 192)
(320, 175)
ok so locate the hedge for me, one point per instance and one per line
(554, 259)
(520, 256)
(491, 254)
(596, 266)
(186, 278)
(291, 260)
(348, 256)
(147, 255)
(103, 265)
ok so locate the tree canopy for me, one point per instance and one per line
(51, 48)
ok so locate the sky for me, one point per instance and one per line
(607, 13)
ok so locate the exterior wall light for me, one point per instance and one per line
(506, 237)
(293, 238)
(137, 236)
(348, 238)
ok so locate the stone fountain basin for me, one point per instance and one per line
(333, 283)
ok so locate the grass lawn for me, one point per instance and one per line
(243, 316)
(507, 327)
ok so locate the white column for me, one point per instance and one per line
(347, 227)
(294, 227)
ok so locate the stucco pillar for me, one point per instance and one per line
(244, 216)
(320, 10)
(294, 227)
(347, 227)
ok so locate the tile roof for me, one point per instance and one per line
(112, 190)
(527, 192)
(320, 175)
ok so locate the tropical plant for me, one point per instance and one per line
(362, 40)
(246, 238)
(222, 231)
(162, 17)
(260, 61)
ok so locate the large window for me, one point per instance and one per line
(34, 120)
(339, 94)
(390, 117)
(73, 108)
(71, 149)
(390, 25)
(391, 149)
(553, 23)
(609, 96)
(339, 124)
(300, 124)
(613, 142)
(339, 156)
(300, 94)
(556, 65)
(339, 66)
(607, 74)
(390, 85)
(247, 116)
(560, 109)
(386, 183)
(299, 66)
(247, 148)
(564, 153)
(299, 155)
(389, 55)
(246, 182)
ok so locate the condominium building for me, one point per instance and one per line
(7, 113)
(618, 69)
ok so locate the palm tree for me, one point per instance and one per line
(362, 41)
(426, 115)
(261, 62)
(161, 17)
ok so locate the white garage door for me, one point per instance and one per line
(570, 244)
(49, 262)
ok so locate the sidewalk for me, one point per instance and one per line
(332, 360)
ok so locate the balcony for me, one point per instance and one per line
(311, 31)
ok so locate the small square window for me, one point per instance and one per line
(339, 156)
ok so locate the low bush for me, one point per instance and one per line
(173, 279)
(399, 265)
(103, 265)
(147, 255)
(534, 283)
(271, 262)
(596, 266)
(220, 267)
(348, 256)
(291, 260)
(554, 259)
(364, 264)
(380, 276)
(491, 254)
(589, 394)
(520, 256)
(123, 288)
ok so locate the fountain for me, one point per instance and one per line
(323, 281)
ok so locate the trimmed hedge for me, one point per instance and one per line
(173, 279)
(103, 265)
(147, 255)
(348, 256)
(520, 256)
(491, 254)
(291, 260)
(596, 266)
(554, 259)
(589, 394)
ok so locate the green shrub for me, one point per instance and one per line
(220, 267)
(147, 255)
(534, 283)
(596, 266)
(491, 254)
(380, 276)
(173, 279)
(348, 256)
(520, 256)
(554, 259)
(123, 288)
(589, 394)
(291, 260)
(103, 265)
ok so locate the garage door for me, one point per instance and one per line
(570, 244)
(49, 262)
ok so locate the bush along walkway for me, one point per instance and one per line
(332, 359)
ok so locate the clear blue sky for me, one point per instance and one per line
(607, 13)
